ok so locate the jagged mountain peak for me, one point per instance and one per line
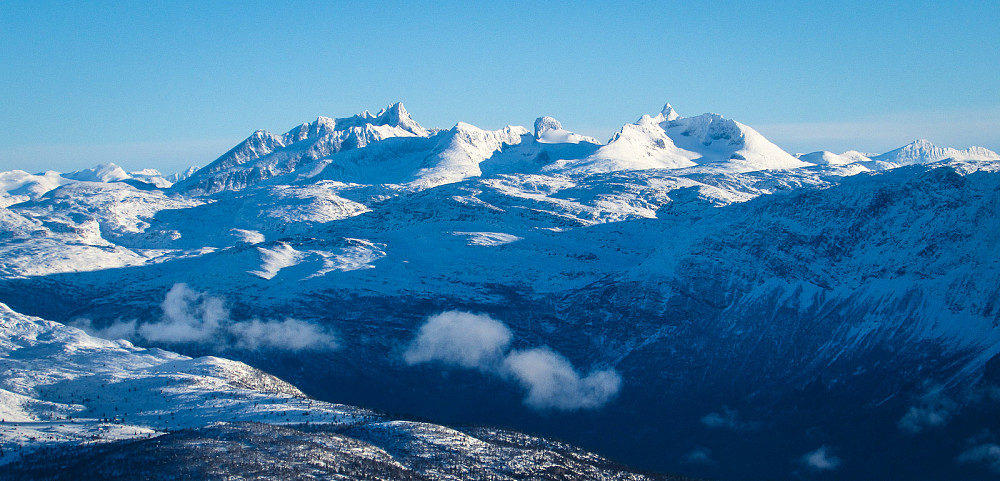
(668, 113)
(394, 116)
(394, 112)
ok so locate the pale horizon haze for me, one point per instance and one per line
(170, 85)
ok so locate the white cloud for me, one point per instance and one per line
(480, 342)
(699, 455)
(934, 411)
(988, 454)
(821, 459)
(461, 339)
(188, 316)
(196, 317)
(553, 383)
(117, 330)
(290, 334)
(728, 419)
(917, 418)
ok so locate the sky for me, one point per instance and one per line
(168, 85)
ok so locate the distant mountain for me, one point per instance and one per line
(669, 141)
(19, 186)
(348, 150)
(264, 155)
(924, 152)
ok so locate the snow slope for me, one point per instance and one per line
(62, 386)
(669, 141)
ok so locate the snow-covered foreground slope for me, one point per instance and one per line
(687, 297)
(62, 386)
(75, 406)
(389, 451)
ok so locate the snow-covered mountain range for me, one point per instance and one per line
(686, 297)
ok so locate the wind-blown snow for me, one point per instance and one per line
(275, 259)
(488, 239)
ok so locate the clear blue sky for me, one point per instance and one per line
(174, 84)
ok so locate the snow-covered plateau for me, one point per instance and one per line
(687, 297)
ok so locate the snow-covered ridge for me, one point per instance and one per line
(918, 152)
(391, 148)
(923, 152)
(60, 385)
(326, 149)
(669, 141)
(18, 186)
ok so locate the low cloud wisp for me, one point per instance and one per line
(933, 411)
(988, 454)
(699, 455)
(728, 419)
(821, 459)
(553, 383)
(289, 335)
(475, 341)
(461, 339)
(192, 317)
(188, 317)
(116, 330)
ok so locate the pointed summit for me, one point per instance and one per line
(394, 112)
(396, 115)
(669, 113)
